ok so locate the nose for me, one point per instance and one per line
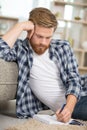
(43, 41)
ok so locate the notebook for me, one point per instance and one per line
(48, 119)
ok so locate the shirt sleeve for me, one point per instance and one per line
(7, 53)
(84, 84)
(73, 78)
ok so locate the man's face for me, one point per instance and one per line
(41, 38)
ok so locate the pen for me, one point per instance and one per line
(62, 108)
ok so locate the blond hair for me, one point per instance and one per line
(43, 17)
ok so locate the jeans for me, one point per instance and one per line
(80, 111)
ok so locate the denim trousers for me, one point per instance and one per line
(80, 111)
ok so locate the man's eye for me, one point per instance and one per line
(48, 37)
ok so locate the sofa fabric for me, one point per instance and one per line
(8, 80)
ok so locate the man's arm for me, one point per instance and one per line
(72, 84)
(11, 36)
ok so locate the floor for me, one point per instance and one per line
(8, 116)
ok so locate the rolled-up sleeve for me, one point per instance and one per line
(73, 79)
(7, 53)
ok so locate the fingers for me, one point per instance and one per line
(31, 29)
(64, 116)
(30, 34)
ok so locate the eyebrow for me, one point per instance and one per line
(43, 36)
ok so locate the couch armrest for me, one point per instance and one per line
(8, 80)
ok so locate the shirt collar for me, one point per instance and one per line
(26, 45)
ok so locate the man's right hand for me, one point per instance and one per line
(12, 35)
(27, 25)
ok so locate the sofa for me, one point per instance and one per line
(8, 80)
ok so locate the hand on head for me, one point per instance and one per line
(29, 28)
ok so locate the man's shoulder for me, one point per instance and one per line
(58, 42)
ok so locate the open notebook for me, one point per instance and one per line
(48, 119)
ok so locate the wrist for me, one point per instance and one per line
(71, 102)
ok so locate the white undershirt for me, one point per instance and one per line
(45, 81)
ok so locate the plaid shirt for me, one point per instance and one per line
(61, 53)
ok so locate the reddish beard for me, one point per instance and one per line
(39, 49)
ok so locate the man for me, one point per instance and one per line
(48, 72)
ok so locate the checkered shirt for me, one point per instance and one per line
(61, 53)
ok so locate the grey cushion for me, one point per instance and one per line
(8, 80)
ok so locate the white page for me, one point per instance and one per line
(49, 119)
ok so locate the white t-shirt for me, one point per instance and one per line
(45, 81)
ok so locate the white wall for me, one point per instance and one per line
(16, 8)
(21, 8)
(42, 3)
